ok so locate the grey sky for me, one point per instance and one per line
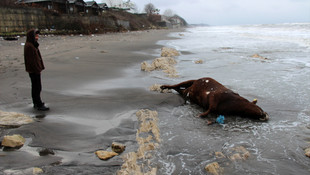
(234, 12)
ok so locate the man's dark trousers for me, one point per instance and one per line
(36, 88)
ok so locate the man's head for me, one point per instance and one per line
(33, 36)
(36, 32)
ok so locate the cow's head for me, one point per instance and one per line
(255, 112)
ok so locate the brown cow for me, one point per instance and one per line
(216, 98)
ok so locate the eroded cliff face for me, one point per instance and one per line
(22, 19)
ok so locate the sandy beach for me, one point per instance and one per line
(93, 85)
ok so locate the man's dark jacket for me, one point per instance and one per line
(32, 55)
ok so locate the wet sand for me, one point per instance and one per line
(94, 86)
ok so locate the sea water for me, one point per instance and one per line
(279, 79)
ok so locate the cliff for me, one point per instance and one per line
(19, 20)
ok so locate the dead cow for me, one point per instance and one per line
(216, 98)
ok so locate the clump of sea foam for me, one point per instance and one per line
(165, 63)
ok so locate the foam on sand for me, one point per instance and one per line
(148, 138)
(166, 63)
(156, 87)
(14, 119)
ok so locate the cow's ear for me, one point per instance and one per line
(254, 101)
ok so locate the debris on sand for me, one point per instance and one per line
(198, 61)
(232, 155)
(219, 155)
(166, 62)
(163, 63)
(33, 171)
(214, 168)
(258, 56)
(156, 87)
(169, 52)
(239, 153)
(13, 119)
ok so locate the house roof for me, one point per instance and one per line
(103, 5)
(77, 2)
(34, 1)
(91, 4)
(113, 3)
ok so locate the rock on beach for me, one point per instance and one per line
(307, 152)
(118, 147)
(105, 155)
(13, 141)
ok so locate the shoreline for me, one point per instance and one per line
(80, 123)
(103, 57)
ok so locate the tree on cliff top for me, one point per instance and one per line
(131, 5)
(150, 9)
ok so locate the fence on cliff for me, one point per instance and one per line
(22, 19)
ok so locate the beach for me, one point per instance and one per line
(99, 93)
(93, 85)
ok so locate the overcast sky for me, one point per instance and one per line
(234, 12)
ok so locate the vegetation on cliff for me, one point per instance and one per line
(51, 21)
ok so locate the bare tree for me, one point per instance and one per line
(110, 3)
(169, 13)
(149, 8)
(131, 5)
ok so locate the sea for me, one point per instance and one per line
(267, 62)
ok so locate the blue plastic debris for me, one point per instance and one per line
(220, 119)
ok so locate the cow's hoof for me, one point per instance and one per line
(163, 87)
(210, 122)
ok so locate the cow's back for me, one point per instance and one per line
(203, 85)
(202, 89)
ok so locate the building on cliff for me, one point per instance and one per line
(92, 8)
(114, 3)
(74, 6)
(60, 6)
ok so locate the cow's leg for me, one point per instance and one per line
(179, 87)
(212, 105)
(205, 113)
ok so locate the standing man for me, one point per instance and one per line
(34, 65)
